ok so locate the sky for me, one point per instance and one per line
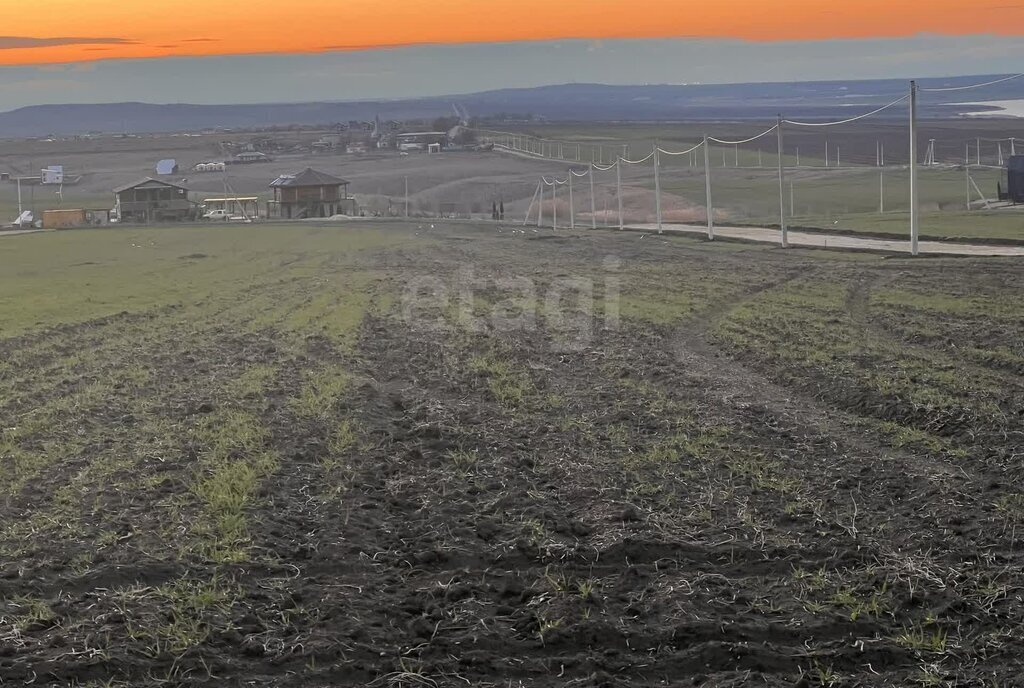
(221, 51)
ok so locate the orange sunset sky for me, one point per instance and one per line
(52, 31)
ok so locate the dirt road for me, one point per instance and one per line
(838, 241)
(12, 232)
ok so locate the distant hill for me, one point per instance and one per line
(563, 102)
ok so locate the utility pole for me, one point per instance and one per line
(618, 191)
(914, 220)
(826, 152)
(554, 203)
(657, 187)
(782, 186)
(967, 184)
(407, 198)
(593, 210)
(979, 151)
(707, 189)
(532, 202)
(572, 206)
(881, 190)
(540, 204)
(967, 172)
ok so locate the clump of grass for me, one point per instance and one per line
(322, 390)
(464, 460)
(29, 614)
(871, 605)
(252, 382)
(1011, 506)
(923, 639)
(585, 588)
(511, 387)
(545, 627)
(233, 467)
(226, 492)
(190, 611)
(825, 675)
(231, 433)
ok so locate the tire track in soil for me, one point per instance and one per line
(951, 539)
(892, 474)
(732, 382)
(858, 305)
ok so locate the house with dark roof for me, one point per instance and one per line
(153, 200)
(310, 194)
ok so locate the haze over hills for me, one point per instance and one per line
(824, 99)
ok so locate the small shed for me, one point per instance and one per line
(153, 200)
(310, 194)
(66, 218)
(54, 174)
(250, 157)
(167, 167)
(1015, 179)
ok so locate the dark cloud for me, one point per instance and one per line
(200, 40)
(17, 42)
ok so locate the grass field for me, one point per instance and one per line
(408, 455)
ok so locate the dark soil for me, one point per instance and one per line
(648, 504)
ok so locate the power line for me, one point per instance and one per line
(846, 121)
(685, 152)
(965, 88)
(638, 162)
(752, 138)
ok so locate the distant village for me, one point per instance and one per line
(165, 195)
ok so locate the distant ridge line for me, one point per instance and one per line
(559, 102)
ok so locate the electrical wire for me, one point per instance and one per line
(846, 121)
(965, 88)
(752, 138)
(685, 152)
(637, 162)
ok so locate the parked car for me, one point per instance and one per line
(219, 214)
(224, 216)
